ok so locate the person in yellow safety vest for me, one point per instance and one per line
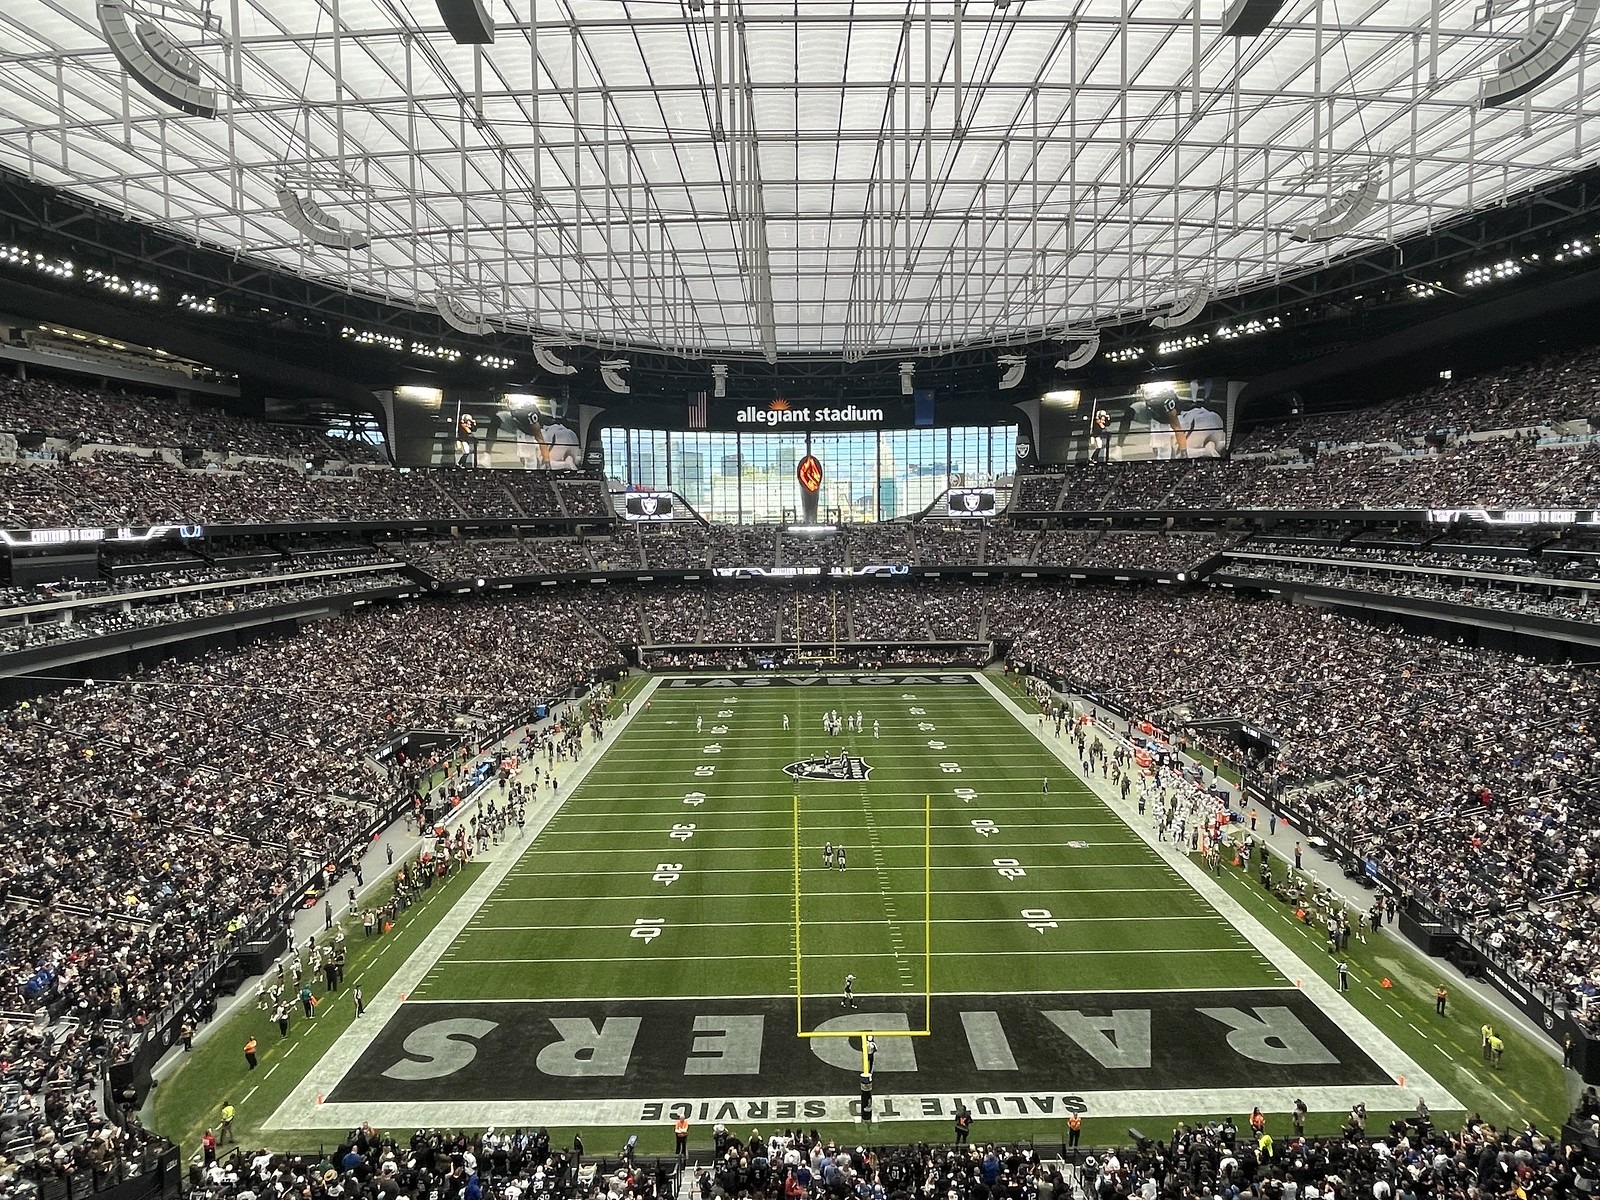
(1074, 1130)
(681, 1132)
(1264, 1147)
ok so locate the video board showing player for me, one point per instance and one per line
(1156, 421)
(512, 431)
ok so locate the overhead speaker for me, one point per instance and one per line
(1082, 355)
(547, 359)
(458, 316)
(1014, 367)
(306, 215)
(468, 21)
(1249, 18)
(1185, 308)
(1343, 215)
(1539, 55)
(611, 374)
(155, 61)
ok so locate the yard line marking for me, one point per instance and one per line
(847, 955)
(248, 1094)
(636, 896)
(815, 920)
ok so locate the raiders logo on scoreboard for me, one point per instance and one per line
(971, 502)
(649, 506)
(841, 768)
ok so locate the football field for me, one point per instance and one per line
(674, 939)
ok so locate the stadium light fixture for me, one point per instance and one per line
(1506, 268)
(154, 60)
(1255, 325)
(307, 216)
(1126, 354)
(1575, 249)
(1189, 341)
(442, 353)
(1545, 49)
(1015, 367)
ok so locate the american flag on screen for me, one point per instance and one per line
(697, 411)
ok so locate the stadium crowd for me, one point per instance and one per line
(159, 817)
(1410, 1160)
(1456, 772)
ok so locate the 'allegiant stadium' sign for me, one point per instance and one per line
(780, 412)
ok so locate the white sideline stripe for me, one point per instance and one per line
(844, 956)
(714, 807)
(788, 997)
(669, 844)
(767, 871)
(822, 921)
(1132, 1104)
(743, 827)
(667, 898)
(300, 1109)
(783, 802)
(1377, 1044)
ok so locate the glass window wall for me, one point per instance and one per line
(867, 476)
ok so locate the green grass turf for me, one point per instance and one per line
(728, 834)
(187, 1100)
(594, 868)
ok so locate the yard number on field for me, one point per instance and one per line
(667, 873)
(1038, 918)
(647, 929)
(1010, 868)
(985, 827)
(681, 832)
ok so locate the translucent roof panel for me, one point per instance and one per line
(867, 177)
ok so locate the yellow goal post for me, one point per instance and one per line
(927, 947)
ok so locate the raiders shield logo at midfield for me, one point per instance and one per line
(841, 768)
